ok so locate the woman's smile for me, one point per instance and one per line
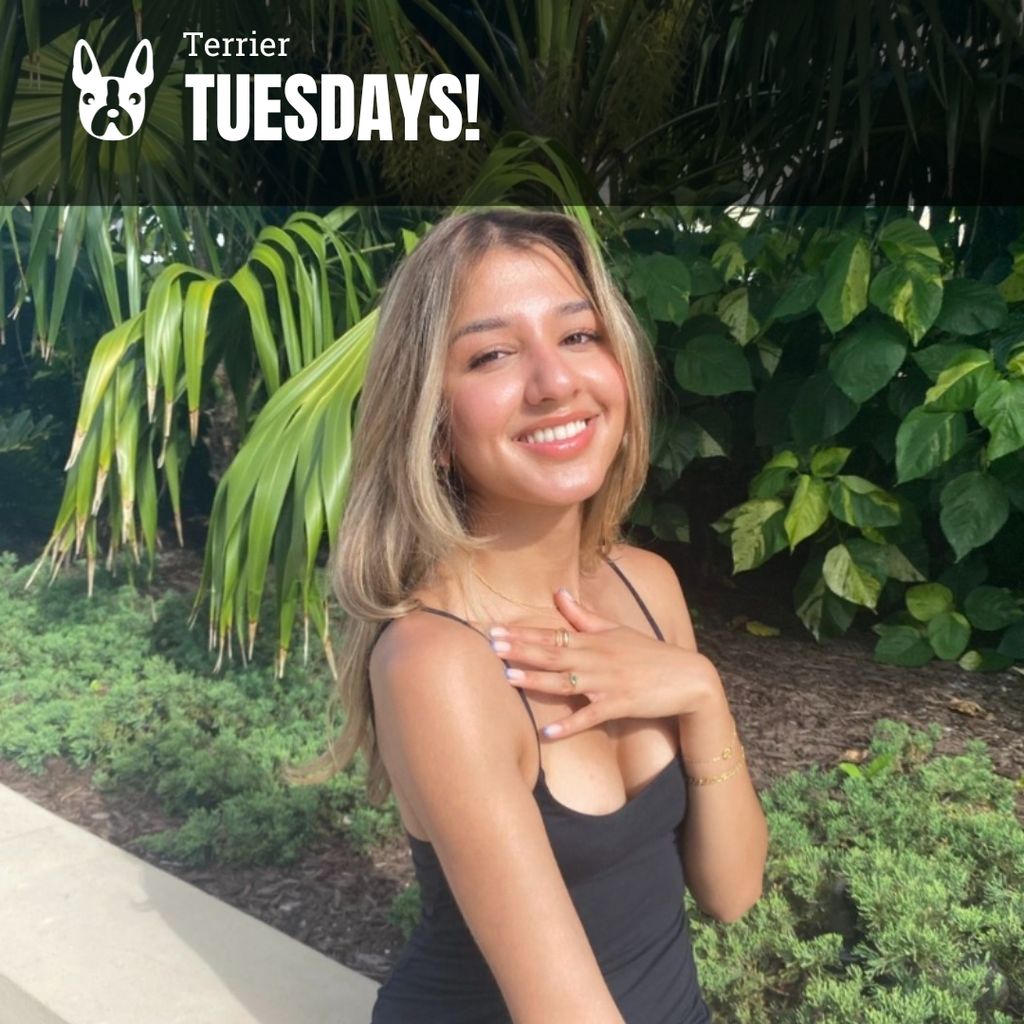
(562, 441)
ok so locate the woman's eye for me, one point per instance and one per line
(585, 335)
(484, 357)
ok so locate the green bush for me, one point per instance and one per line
(861, 381)
(892, 896)
(119, 683)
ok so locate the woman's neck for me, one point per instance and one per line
(535, 552)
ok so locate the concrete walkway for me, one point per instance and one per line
(90, 934)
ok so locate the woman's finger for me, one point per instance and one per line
(586, 718)
(536, 655)
(543, 636)
(544, 682)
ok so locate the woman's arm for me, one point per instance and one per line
(723, 840)
(445, 718)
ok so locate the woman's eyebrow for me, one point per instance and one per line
(492, 323)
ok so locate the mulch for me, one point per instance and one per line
(797, 704)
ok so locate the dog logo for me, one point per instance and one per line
(110, 107)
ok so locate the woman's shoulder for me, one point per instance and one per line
(657, 582)
(425, 634)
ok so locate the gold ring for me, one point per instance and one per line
(574, 681)
(562, 638)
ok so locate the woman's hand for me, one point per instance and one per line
(623, 673)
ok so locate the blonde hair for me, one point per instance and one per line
(404, 516)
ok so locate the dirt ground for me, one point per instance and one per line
(796, 703)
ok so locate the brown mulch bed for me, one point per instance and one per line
(796, 704)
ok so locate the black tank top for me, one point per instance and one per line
(625, 877)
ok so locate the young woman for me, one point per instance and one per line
(526, 683)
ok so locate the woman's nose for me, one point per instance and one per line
(550, 375)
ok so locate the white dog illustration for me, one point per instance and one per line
(110, 107)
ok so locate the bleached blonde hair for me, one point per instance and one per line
(404, 515)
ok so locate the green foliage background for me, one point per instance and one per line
(858, 378)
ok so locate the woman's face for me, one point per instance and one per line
(527, 351)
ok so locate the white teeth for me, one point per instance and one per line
(559, 433)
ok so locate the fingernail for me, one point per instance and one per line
(515, 673)
(497, 631)
(551, 730)
(500, 646)
(562, 590)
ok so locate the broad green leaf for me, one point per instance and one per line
(970, 307)
(734, 312)
(823, 613)
(911, 293)
(992, 608)
(859, 502)
(960, 384)
(665, 282)
(827, 462)
(704, 278)
(865, 361)
(808, 509)
(898, 566)
(1015, 364)
(1000, 410)
(1009, 471)
(1012, 642)
(1011, 288)
(926, 440)
(928, 600)
(933, 359)
(820, 411)
(775, 477)
(949, 633)
(987, 659)
(903, 646)
(728, 260)
(905, 237)
(845, 290)
(676, 439)
(798, 298)
(712, 365)
(757, 533)
(846, 577)
(974, 509)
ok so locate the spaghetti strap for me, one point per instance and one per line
(639, 600)
(519, 690)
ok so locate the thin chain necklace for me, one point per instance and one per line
(522, 604)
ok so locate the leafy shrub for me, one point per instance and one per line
(893, 896)
(865, 382)
(119, 683)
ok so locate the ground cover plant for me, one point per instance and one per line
(119, 683)
(895, 893)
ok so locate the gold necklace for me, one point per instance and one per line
(522, 604)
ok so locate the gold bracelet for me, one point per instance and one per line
(711, 780)
(727, 753)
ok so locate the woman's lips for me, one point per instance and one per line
(565, 448)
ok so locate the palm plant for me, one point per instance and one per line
(307, 282)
